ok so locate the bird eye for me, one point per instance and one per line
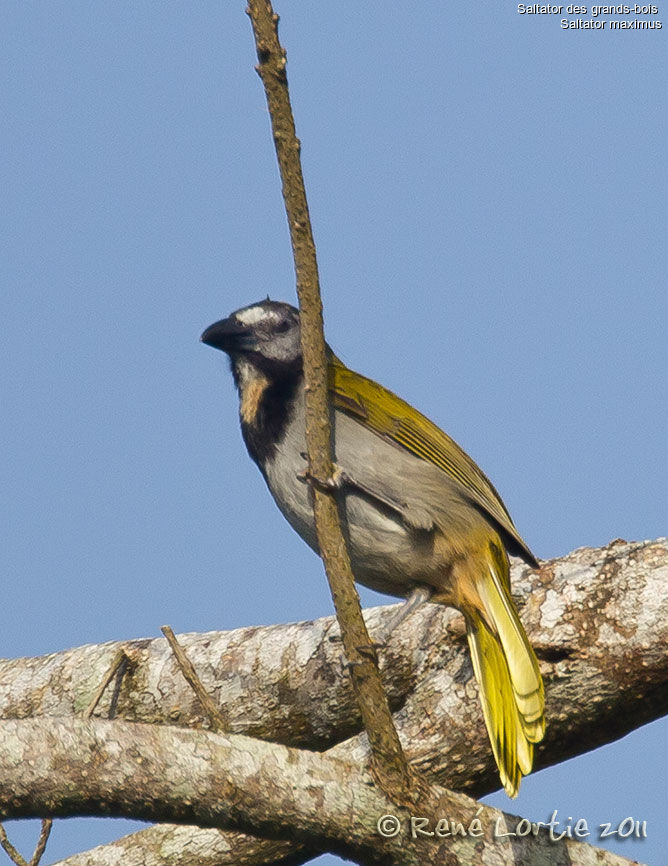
(282, 326)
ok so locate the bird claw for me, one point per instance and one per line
(372, 648)
(335, 482)
(367, 650)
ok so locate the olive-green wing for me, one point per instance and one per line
(392, 418)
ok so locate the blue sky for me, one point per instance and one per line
(488, 194)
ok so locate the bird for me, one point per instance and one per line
(420, 518)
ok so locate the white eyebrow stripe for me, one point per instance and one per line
(253, 315)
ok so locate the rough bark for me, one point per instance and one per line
(185, 845)
(70, 766)
(598, 619)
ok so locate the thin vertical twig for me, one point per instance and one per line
(117, 668)
(389, 761)
(190, 675)
(40, 848)
(10, 850)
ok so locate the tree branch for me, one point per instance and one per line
(598, 619)
(388, 759)
(185, 845)
(67, 767)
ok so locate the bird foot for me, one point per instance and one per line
(336, 481)
(366, 650)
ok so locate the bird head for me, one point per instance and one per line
(265, 335)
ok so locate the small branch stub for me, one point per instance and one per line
(190, 674)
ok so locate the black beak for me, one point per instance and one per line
(229, 335)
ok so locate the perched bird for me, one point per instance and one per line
(421, 519)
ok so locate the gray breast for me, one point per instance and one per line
(389, 528)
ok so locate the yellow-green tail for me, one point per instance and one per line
(511, 687)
